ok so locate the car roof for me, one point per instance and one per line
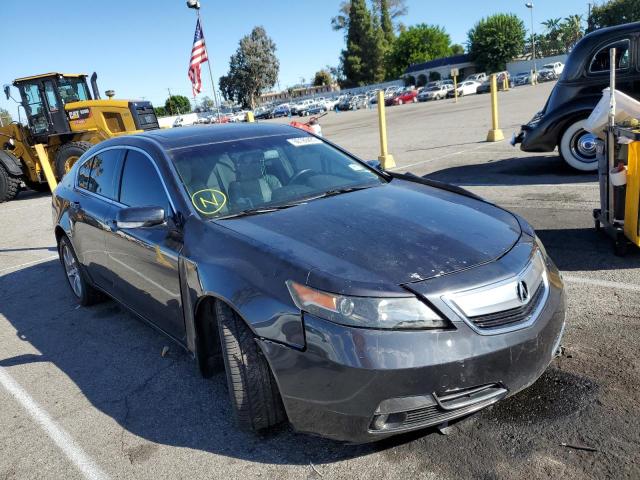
(171, 138)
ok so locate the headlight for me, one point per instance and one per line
(541, 247)
(381, 313)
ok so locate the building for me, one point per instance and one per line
(440, 68)
(298, 92)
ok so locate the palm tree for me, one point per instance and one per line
(572, 31)
(553, 24)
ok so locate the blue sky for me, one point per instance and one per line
(139, 48)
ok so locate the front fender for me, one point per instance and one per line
(545, 136)
(250, 281)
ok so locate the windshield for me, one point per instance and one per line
(433, 89)
(72, 90)
(228, 178)
(548, 66)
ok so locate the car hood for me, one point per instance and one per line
(384, 236)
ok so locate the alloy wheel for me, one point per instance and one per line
(72, 270)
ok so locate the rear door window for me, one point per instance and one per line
(104, 168)
(600, 61)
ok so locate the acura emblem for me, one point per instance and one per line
(523, 291)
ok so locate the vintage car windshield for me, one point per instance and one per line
(226, 178)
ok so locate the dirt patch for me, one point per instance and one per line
(555, 395)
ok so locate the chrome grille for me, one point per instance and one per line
(506, 305)
(511, 316)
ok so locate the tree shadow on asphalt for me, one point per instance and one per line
(533, 170)
(116, 361)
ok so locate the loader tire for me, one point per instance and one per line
(67, 155)
(255, 398)
(9, 185)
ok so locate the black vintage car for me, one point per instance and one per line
(586, 74)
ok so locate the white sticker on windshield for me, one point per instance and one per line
(303, 141)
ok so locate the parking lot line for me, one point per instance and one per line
(18, 267)
(602, 283)
(60, 437)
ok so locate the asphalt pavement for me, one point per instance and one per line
(86, 392)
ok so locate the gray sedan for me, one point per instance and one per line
(351, 302)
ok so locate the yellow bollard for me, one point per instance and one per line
(250, 117)
(385, 158)
(46, 166)
(495, 134)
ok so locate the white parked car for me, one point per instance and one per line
(330, 103)
(476, 77)
(436, 92)
(468, 87)
(551, 71)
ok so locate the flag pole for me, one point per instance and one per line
(196, 5)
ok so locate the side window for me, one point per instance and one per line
(600, 61)
(104, 173)
(141, 185)
(84, 174)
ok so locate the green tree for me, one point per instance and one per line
(572, 31)
(207, 103)
(253, 68)
(177, 105)
(385, 22)
(322, 77)
(457, 49)
(160, 111)
(495, 40)
(5, 117)
(419, 43)
(613, 12)
(396, 9)
(356, 58)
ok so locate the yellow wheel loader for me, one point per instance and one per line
(63, 120)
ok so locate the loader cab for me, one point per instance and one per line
(44, 98)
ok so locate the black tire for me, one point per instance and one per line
(254, 394)
(69, 152)
(9, 185)
(84, 292)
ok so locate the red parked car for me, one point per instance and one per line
(406, 96)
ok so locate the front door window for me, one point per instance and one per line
(35, 108)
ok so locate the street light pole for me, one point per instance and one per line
(529, 5)
(195, 4)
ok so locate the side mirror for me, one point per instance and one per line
(375, 164)
(140, 217)
(7, 91)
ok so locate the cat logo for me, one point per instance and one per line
(208, 201)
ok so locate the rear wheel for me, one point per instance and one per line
(254, 394)
(9, 185)
(67, 155)
(83, 291)
(578, 147)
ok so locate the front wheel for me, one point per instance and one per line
(254, 394)
(577, 147)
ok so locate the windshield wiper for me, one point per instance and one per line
(336, 191)
(256, 211)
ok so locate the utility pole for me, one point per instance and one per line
(529, 5)
(195, 4)
(170, 102)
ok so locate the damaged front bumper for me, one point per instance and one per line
(361, 385)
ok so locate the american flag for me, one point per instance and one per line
(198, 57)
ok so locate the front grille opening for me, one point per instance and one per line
(512, 316)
